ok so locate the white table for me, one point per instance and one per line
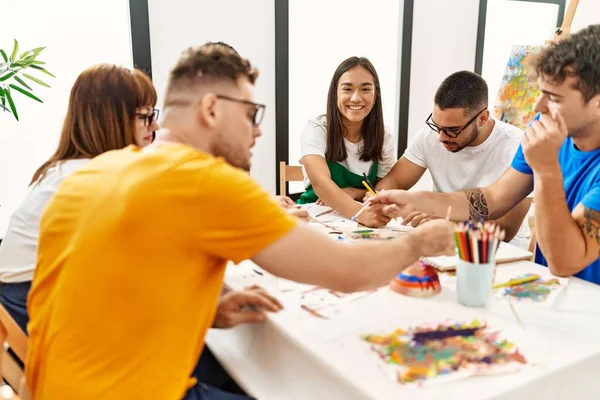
(294, 355)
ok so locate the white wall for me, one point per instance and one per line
(536, 22)
(444, 39)
(588, 13)
(322, 35)
(248, 26)
(77, 34)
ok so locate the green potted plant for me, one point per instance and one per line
(13, 78)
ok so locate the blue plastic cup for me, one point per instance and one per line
(474, 283)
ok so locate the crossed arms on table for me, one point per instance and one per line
(569, 241)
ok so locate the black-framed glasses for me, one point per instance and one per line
(259, 109)
(452, 132)
(148, 118)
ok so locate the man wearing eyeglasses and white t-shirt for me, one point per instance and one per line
(463, 148)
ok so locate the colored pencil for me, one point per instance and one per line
(365, 184)
(364, 207)
(478, 242)
(325, 212)
(519, 281)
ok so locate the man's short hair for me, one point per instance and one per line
(578, 56)
(213, 61)
(463, 89)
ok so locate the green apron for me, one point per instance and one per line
(342, 177)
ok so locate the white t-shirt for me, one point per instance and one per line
(472, 167)
(314, 142)
(18, 251)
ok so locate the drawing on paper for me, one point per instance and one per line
(324, 303)
(450, 349)
(537, 291)
(518, 90)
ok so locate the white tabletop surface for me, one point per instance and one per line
(295, 355)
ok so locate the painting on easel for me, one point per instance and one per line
(518, 90)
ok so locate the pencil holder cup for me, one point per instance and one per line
(474, 282)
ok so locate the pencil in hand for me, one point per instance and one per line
(364, 207)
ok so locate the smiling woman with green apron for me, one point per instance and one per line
(349, 141)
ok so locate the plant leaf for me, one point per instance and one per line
(36, 80)
(25, 92)
(7, 76)
(4, 55)
(3, 100)
(11, 104)
(13, 55)
(41, 69)
(37, 50)
(37, 62)
(22, 82)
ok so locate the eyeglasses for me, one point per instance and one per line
(452, 132)
(259, 109)
(148, 118)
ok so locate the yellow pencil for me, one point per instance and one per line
(365, 184)
(519, 281)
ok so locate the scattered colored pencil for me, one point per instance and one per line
(325, 212)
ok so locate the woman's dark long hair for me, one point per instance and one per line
(373, 131)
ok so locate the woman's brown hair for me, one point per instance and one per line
(101, 113)
(373, 131)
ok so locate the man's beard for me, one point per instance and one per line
(471, 139)
(223, 149)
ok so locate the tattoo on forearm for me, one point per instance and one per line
(478, 208)
(591, 224)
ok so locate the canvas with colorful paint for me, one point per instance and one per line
(518, 90)
(438, 352)
(532, 288)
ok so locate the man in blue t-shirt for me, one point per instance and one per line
(559, 159)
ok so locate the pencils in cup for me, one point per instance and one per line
(478, 243)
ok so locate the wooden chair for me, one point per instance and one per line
(288, 173)
(12, 335)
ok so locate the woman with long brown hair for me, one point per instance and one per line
(348, 143)
(110, 107)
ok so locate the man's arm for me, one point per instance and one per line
(404, 175)
(488, 203)
(308, 256)
(570, 242)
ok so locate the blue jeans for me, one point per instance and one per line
(13, 297)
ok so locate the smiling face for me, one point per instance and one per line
(355, 94)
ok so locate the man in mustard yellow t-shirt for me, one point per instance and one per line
(133, 247)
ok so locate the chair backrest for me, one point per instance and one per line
(11, 371)
(288, 173)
